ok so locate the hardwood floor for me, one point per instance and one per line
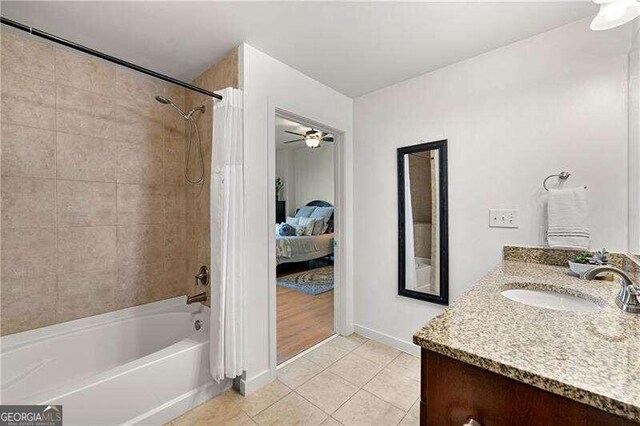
(302, 320)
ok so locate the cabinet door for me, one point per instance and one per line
(454, 392)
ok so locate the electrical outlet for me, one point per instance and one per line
(504, 218)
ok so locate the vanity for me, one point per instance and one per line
(497, 357)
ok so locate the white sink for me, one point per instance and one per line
(551, 300)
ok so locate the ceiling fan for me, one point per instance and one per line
(311, 137)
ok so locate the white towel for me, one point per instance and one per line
(568, 219)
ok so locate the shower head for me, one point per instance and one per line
(167, 101)
(163, 100)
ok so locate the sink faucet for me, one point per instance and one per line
(200, 297)
(628, 297)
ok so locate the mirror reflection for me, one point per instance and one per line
(423, 201)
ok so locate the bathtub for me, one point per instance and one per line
(423, 273)
(140, 365)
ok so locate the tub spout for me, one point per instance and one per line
(200, 297)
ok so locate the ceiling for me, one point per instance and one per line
(353, 47)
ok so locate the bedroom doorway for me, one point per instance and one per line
(305, 209)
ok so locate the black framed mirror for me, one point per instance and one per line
(423, 237)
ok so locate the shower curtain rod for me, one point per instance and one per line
(89, 51)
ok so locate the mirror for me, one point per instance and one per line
(423, 261)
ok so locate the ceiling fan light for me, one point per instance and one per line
(614, 14)
(312, 142)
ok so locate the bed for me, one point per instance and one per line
(305, 248)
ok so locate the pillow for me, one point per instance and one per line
(305, 211)
(299, 230)
(308, 223)
(287, 230)
(325, 213)
(318, 226)
(293, 220)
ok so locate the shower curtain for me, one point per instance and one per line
(227, 358)
(409, 249)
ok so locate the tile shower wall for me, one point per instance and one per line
(219, 76)
(93, 197)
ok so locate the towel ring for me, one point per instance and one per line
(562, 176)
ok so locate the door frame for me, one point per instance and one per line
(340, 303)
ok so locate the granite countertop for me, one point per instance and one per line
(590, 357)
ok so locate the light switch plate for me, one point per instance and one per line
(504, 218)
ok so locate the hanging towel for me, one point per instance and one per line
(568, 218)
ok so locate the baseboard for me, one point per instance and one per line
(402, 345)
(246, 387)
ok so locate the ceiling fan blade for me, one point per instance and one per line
(293, 133)
(327, 139)
(296, 140)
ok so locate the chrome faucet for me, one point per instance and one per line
(200, 297)
(628, 296)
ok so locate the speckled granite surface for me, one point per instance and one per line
(547, 256)
(593, 358)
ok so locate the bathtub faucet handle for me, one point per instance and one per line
(203, 276)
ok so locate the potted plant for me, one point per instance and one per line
(279, 186)
(584, 261)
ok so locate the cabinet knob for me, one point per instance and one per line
(471, 422)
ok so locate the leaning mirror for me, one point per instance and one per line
(422, 222)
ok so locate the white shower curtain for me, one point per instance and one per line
(227, 358)
(409, 250)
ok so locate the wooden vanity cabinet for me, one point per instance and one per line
(452, 392)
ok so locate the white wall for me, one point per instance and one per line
(557, 101)
(634, 142)
(269, 83)
(307, 175)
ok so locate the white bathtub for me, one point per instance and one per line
(141, 365)
(423, 273)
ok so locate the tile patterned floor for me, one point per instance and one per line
(346, 381)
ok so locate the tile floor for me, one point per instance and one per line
(348, 380)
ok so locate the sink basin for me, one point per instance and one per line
(551, 300)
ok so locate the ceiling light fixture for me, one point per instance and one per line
(614, 13)
(312, 141)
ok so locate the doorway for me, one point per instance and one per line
(305, 234)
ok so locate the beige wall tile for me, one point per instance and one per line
(86, 248)
(175, 204)
(28, 202)
(27, 151)
(28, 101)
(140, 204)
(25, 55)
(177, 279)
(139, 244)
(136, 126)
(86, 203)
(139, 283)
(81, 157)
(82, 112)
(29, 252)
(28, 303)
(175, 241)
(138, 90)
(82, 294)
(140, 163)
(174, 145)
(84, 72)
